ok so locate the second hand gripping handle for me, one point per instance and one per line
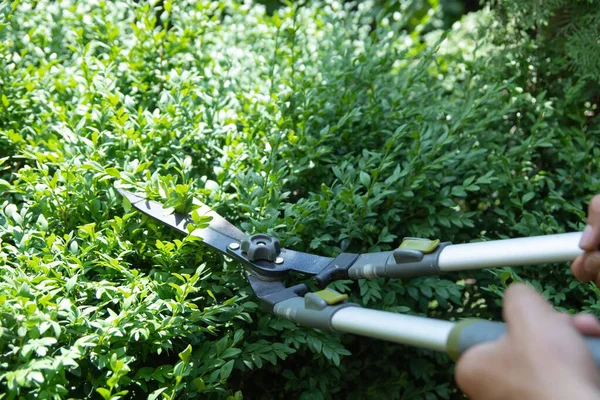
(471, 332)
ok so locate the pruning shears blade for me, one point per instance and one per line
(218, 234)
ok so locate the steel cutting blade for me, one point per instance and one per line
(218, 235)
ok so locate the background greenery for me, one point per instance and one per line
(334, 126)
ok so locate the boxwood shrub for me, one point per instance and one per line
(333, 126)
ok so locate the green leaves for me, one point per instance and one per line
(336, 129)
(10, 210)
(40, 346)
(185, 355)
(226, 370)
(365, 179)
(526, 197)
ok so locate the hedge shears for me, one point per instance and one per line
(266, 264)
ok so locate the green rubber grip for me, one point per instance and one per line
(471, 332)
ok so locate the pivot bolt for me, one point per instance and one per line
(234, 246)
(261, 247)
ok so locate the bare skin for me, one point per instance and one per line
(587, 266)
(543, 355)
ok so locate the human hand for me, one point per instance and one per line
(586, 267)
(542, 356)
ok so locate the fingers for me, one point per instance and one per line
(591, 234)
(478, 368)
(587, 324)
(594, 211)
(591, 263)
(525, 311)
(586, 267)
(584, 275)
(475, 369)
(541, 349)
(525, 308)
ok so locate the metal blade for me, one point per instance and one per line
(218, 235)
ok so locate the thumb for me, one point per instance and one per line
(540, 330)
(476, 371)
(591, 235)
(525, 310)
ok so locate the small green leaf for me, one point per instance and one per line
(527, 197)
(185, 354)
(113, 172)
(231, 352)
(42, 223)
(10, 210)
(105, 393)
(458, 191)
(226, 369)
(154, 395)
(365, 179)
(199, 384)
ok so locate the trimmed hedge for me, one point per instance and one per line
(335, 127)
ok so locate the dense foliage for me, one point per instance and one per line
(566, 33)
(336, 127)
